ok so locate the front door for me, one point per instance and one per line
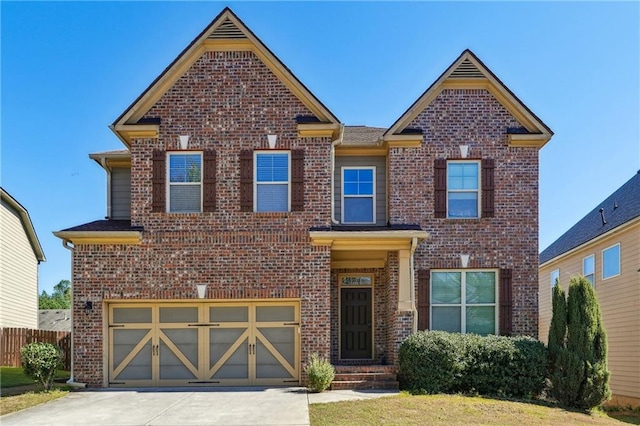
(355, 323)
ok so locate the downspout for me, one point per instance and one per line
(71, 381)
(333, 173)
(414, 310)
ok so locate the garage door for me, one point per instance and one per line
(204, 344)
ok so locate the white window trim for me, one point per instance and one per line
(619, 262)
(594, 268)
(342, 196)
(170, 184)
(479, 207)
(463, 294)
(553, 281)
(256, 183)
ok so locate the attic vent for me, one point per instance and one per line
(466, 70)
(227, 30)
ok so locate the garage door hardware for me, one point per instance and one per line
(291, 323)
(155, 349)
(116, 325)
(204, 325)
(203, 382)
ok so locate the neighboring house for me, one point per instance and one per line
(54, 319)
(275, 231)
(20, 255)
(604, 246)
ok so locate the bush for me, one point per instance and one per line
(320, 373)
(40, 362)
(435, 361)
(430, 362)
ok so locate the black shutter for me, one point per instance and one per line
(505, 302)
(424, 298)
(297, 180)
(440, 187)
(158, 181)
(246, 180)
(488, 187)
(209, 181)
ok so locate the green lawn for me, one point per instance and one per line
(406, 409)
(14, 398)
(13, 376)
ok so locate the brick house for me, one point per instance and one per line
(248, 227)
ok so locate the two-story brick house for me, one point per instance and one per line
(248, 227)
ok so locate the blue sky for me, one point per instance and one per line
(69, 69)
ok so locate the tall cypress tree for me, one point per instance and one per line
(558, 328)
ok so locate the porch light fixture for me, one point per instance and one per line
(464, 151)
(272, 141)
(88, 307)
(202, 290)
(184, 141)
(464, 260)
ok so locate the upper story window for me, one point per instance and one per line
(464, 301)
(589, 268)
(272, 177)
(611, 261)
(463, 189)
(184, 182)
(358, 195)
(555, 276)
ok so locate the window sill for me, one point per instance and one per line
(272, 214)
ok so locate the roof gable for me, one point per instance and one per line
(619, 208)
(26, 224)
(468, 72)
(225, 33)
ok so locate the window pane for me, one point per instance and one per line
(365, 175)
(184, 198)
(446, 287)
(365, 189)
(350, 188)
(358, 210)
(481, 287)
(611, 262)
(184, 167)
(462, 175)
(446, 318)
(358, 181)
(350, 175)
(272, 198)
(555, 276)
(481, 319)
(272, 167)
(463, 204)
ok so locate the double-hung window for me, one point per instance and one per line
(611, 262)
(463, 189)
(358, 195)
(272, 177)
(185, 182)
(589, 268)
(464, 301)
(555, 276)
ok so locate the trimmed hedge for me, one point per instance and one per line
(440, 362)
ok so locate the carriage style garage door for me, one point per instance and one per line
(204, 344)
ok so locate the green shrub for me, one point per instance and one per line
(435, 361)
(320, 373)
(40, 362)
(558, 327)
(430, 362)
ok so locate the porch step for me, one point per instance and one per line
(365, 377)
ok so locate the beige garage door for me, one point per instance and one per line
(204, 344)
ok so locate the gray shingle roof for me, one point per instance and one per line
(619, 208)
(104, 225)
(362, 135)
(54, 319)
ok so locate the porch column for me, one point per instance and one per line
(404, 280)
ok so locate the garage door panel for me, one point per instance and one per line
(182, 342)
(236, 366)
(283, 341)
(275, 313)
(223, 314)
(179, 314)
(268, 366)
(173, 367)
(132, 315)
(138, 368)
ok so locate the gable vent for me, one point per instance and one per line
(466, 70)
(227, 30)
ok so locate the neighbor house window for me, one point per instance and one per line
(555, 276)
(463, 188)
(358, 195)
(185, 182)
(589, 268)
(611, 262)
(272, 177)
(464, 301)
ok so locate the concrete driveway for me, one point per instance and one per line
(221, 406)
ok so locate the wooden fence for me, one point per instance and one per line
(12, 339)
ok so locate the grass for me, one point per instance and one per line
(18, 391)
(9, 404)
(13, 376)
(406, 409)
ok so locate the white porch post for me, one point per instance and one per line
(404, 280)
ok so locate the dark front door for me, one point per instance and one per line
(355, 331)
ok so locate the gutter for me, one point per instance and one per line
(333, 173)
(414, 310)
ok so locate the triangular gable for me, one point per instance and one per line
(225, 33)
(468, 72)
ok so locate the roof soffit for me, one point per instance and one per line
(225, 33)
(468, 72)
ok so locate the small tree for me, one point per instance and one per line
(40, 362)
(558, 328)
(580, 377)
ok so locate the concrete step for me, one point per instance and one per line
(364, 384)
(365, 377)
(372, 377)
